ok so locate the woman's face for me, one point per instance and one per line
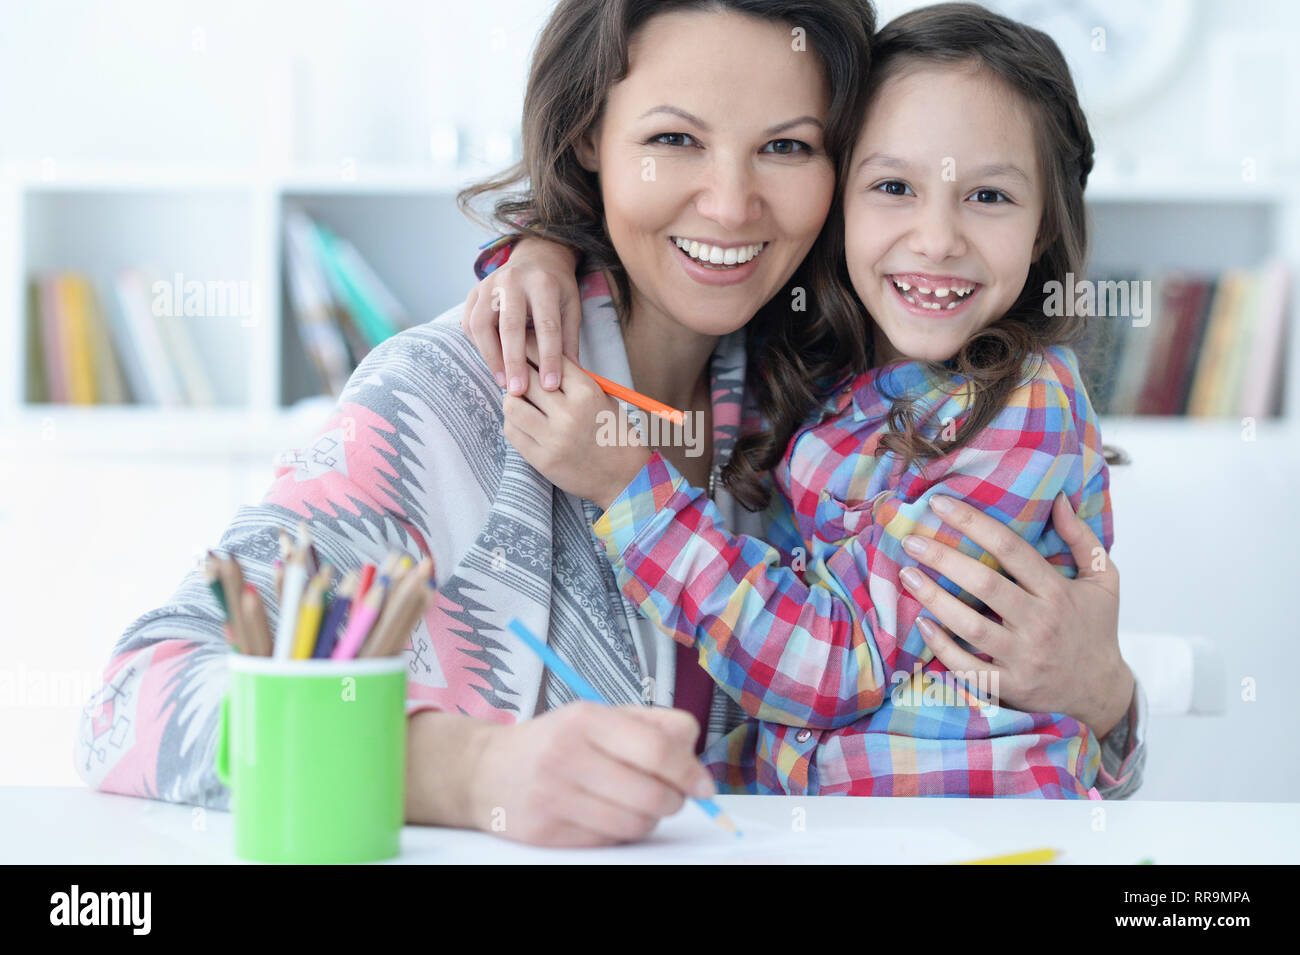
(941, 209)
(712, 167)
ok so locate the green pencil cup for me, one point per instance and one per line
(314, 753)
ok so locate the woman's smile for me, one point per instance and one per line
(717, 263)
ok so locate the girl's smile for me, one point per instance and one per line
(934, 296)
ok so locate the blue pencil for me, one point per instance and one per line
(575, 681)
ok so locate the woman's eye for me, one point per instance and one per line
(787, 147)
(673, 139)
(893, 187)
(990, 196)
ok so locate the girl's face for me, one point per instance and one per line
(711, 163)
(942, 209)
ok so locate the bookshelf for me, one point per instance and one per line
(228, 223)
(223, 225)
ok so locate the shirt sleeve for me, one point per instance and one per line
(151, 728)
(822, 647)
(1123, 751)
(492, 255)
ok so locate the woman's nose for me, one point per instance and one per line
(731, 197)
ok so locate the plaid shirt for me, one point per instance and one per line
(810, 629)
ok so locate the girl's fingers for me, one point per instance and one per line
(979, 580)
(522, 421)
(955, 658)
(1016, 556)
(972, 626)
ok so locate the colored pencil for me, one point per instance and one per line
(212, 575)
(338, 612)
(229, 580)
(295, 581)
(644, 402)
(310, 612)
(408, 602)
(367, 578)
(254, 633)
(255, 614)
(360, 620)
(1029, 857)
(574, 680)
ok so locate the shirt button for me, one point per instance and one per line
(825, 495)
(803, 736)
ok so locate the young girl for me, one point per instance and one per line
(964, 196)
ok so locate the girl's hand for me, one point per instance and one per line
(587, 775)
(1057, 648)
(565, 434)
(538, 280)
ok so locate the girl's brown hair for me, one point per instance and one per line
(582, 52)
(1030, 64)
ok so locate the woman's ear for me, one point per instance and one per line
(585, 149)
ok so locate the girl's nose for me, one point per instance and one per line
(937, 233)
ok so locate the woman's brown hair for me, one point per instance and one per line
(794, 348)
(1029, 63)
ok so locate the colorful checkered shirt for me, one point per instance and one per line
(810, 629)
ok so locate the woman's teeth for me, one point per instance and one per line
(928, 297)
(713, 255)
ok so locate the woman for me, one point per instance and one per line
(414, 458)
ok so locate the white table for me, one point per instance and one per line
(80, 826)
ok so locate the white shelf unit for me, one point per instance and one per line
(226, 224)
(1203, 225)
(217, 225)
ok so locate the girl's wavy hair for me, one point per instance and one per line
(1029, 62)
(793, 350)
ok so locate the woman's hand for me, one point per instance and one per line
(587, 775)
(538, 280)
(1057, 648)
(573, 435)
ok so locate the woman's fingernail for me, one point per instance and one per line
(914, 545)
(913, 579)
(501, 379)
(704, 788)
(926, 627)
(941, 504)
(516, 385)
(552, 380)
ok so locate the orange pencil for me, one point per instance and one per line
(636, 398)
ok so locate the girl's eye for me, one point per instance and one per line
(673, 139)
(787, 147)
(893, 187)
(990, 196)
